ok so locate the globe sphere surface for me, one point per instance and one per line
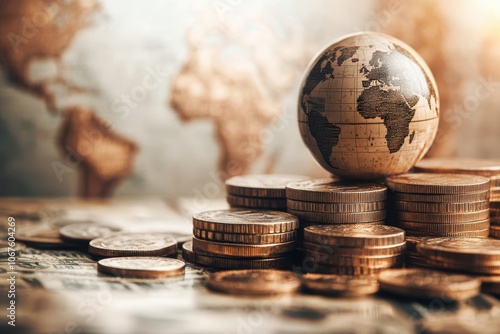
(368, 107)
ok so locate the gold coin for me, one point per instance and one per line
(436, 198)
(347, 260)
(483, 167)
(187, 252)
(335, 207)
(490, 284)
(468, 250)
(258, 203)
(266, 185)
(256, 239)
(44, 237)
(446, 228)
(211, 248)
(424, 283)
(141, 266)
(335, 191)
(245, 221)
(442, 218)
(340, 285)
(354, 235)
(85, 232)
(468, 234)
(428, 183)
(449, 207)
(134, 244)
(364, 251)
(319, 268)
(254, 282)
(339, 218)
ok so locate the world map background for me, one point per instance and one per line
(211, 58)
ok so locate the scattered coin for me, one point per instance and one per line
(134, 244)
(257, 239)
(423, 283)
(254, 282)
(267, 185)
(42, 238)
(340, 285)
(85, 232)
(428, 183)
(212, 248)
(141, 266)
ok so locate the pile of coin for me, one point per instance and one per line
(441, 205)
(482, 167)
(352, 249)
(265, 192)
(243, 239)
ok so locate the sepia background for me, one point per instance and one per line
(168, 97)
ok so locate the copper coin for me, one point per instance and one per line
(335, 191)
(495, 232)
(264, 185)
(85, 232)
(254, 282)
(467, 234)
(446, 228)
(187, 252)
(347, 260)
(335, 207)
(243, 263)
(141, 266)
(354, 235)
(490, 284)
(44, 237)
(245, 221)
(442, 218)
(315, 267)
(134, 244)
(423, 207)
(428, 183)
(463, 267)
(340, 285)
(256, 239)
(411, 243)
(339, 218)
(258, 203)
(443, 198)
(212, 248)
(424, 283)
(362, 251)
(483, 167)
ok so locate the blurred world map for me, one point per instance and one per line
(164, 97)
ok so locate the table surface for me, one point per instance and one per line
(60, 291)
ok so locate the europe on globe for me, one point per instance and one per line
(368, 107)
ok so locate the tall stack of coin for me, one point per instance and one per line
(265, 192)
(482, 167)
(441, 205)
(352, 249)
(332, 201)
(243, 239)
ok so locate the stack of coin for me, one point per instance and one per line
(482, 167)
(472, 255)
(413, 258)
(243, 239)
(265, 192)
(352, 249)
(441, 205)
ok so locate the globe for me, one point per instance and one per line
(368, 107)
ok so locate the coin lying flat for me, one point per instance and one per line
(428, 183)
(364, 251)
(339, 218)
(134, 244)
(42, 238)
(141, 266)
(483, 167)
(245, 221)
(265, 185)
(448, 207)
(423, 283)
(211, 248)
(355, 235)
(256, 202)
(254, 282)
(340, 285)
(85, 232)
(256, 239)
(443, 218)
(334, 190)
(442, 198)
(335, 207)
(446, 228)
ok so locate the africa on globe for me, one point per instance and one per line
(368, 107)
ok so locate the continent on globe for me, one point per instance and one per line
(368, 107)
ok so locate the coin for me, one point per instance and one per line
(134, 244)
(43, 237)
(495, 232)
(443, 198)
(446, 228)
(256, 239)
(244, 263)
(85, 232)
(483, 167)
(347, 260)
(442, 218)
(254, 202)
(212, 248)
(467, 234)
(187, 252)
(334, 191)
(475, 251)
(448, 207)
(319, 268)
(364, 251)
(411, 243)
(340, 285)
(490, 284)
(254, 282)
(141, 266)
(264, 185)
(463, 267)
(355, 235)
(335, 207)
(339, 218)
(428, 183)
(424, 283)
(245, 221)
